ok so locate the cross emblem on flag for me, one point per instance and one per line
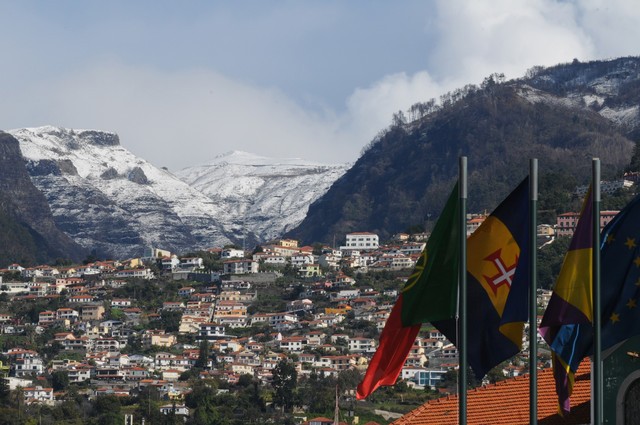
(505, 273)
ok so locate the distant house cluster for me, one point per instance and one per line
(93, 320)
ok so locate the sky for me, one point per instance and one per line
(182, 82)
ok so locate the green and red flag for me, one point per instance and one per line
(430, 294)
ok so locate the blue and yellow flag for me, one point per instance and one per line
(498, 282)
(567, 323)
(620, 276)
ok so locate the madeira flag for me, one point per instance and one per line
(429, 294)
(498, 282)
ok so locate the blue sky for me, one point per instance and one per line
(183, 82)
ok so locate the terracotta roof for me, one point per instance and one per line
(507, 402)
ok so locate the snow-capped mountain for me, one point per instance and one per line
(264, 196)
(110, 200)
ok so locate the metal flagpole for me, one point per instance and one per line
(533, 293)
(597, 311)
(336, 414)
(462, 279)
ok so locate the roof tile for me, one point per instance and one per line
(507, 402)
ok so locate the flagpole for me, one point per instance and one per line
(597, 312)
(533, 294)
(462, 279)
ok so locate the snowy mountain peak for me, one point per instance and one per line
(94, 137)
(236, 157)
(265, 196)
(108, 199)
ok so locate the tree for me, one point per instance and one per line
(202, 400)
(318, 394)
(349, 379)
(149, 406)
(67, 412)
(59, 380)
(634, 165)
(170, 320)
(203, 355)
(116, 314)
(285, 379)
(550, 259)
(108, 410)
(4, 390)
(450, 380)
(91, 258)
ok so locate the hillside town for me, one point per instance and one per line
(121, 327)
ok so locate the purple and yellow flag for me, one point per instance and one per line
(567, 323)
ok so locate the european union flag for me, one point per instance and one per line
(567, 323)
(498, 282)
(620, 279)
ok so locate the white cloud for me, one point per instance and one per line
(180, 109)
(185, 117)
(478, 38)
(473, 39)
(370, 109)
(612, 26)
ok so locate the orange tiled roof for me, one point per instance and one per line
(507, 402)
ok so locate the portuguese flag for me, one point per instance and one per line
(430, 294)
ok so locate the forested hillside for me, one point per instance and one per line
(563, 116)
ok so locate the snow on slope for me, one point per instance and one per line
(108, 199)
(266, 196)
(597, 86)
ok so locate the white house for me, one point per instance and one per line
(423, 377)
(229, 253)
(293, 343)
(330, 261)
(141, 273)
(302, 259)
(270, 258)
(362, 345)
(191, 263)
(240, 266)
(170, 263)
(178, 409)
(210, 331)
(27, 366)
(38, 394)
(300, 305)
(361, 241)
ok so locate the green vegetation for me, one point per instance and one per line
(404, 176)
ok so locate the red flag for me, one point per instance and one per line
(395, 343)
(429, 294)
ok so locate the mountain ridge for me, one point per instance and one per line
(29, 234)
(267, 195)
(116, 204)
(111, 201)
(404, 176)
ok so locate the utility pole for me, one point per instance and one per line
(336, 415)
